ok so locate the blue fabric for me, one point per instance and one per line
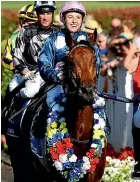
(136, 107)
(103, 51)
(36, 145)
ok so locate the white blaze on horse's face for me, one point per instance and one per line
(73, 21)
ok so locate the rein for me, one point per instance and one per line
(114, 97)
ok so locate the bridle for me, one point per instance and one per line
(75, 85)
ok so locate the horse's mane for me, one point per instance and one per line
(82, 43)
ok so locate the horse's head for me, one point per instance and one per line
(82, 70)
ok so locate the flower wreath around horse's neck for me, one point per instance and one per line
(60, 147)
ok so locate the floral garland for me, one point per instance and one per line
(60, 146)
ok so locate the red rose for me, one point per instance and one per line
(58, 144)
(54, 156)
(89, 155)
(96, 160)
(92, 151)
(69, 145)
(92, 168)
(52, 150)
(61, 151)
(67, 140)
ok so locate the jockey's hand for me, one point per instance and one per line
(60, 68)
(30, 75)
(60, 75)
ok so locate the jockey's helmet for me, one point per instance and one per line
(72, 6)
(28, 12)
(45, 6)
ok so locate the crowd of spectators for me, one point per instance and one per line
(116, 73)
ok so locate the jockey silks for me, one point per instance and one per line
(29, 44)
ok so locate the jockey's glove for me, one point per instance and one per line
(30, 75)
(59, 66)
(60, 71)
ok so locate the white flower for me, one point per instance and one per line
(99, 103)
(94, 145)
(49, 121)
(73, 158)
(84, 171)
(86, 159)
(94, 106)
(86, 166)
(96, 126)
(63, 158)
(96, 116)
(108, 158)
(58, 165)
(101, 123)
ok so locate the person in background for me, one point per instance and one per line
(119, 114)
(132, 63)
(102, 43)
(28, 45)
(136, 31)
(128, 26)
(116, 22)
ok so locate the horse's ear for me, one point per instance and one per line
(93, 36)
(69, 41)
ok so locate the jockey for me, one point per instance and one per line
(7, 61)
(28, 45)
(55, 48)
(26, 15)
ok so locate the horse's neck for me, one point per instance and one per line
(83, 124)
(83, 131)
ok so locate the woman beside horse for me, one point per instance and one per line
(52, 61)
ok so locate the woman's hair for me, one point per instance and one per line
(129, 23)
(115, 32)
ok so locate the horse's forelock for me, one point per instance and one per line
(85, 62)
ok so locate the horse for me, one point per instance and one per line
(72, 140)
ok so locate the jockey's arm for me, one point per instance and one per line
(7, 59)
(18, 57)
(46, 61)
